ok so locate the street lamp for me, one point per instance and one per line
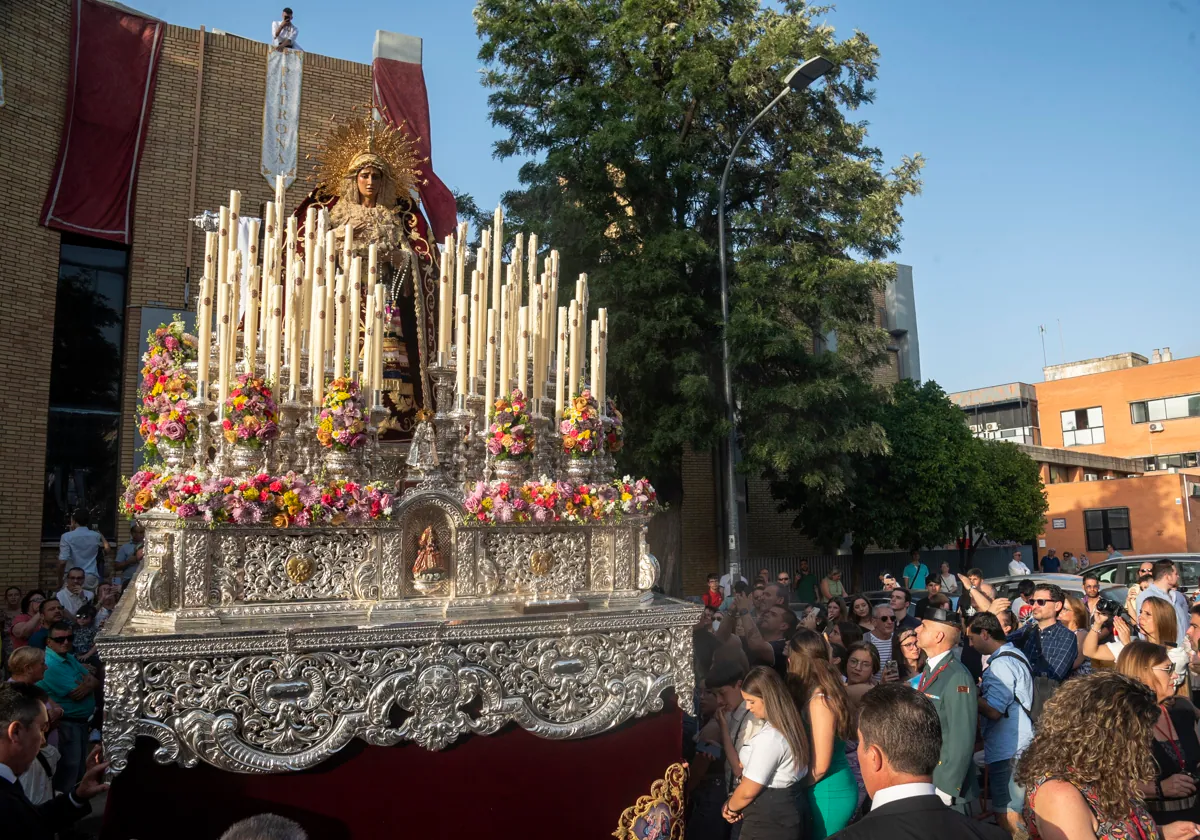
(799, 79)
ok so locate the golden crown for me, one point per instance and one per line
(362, 140)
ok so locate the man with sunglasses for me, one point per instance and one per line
(881, 636)
(1047, 643)
(1145, 575)
(73, 687)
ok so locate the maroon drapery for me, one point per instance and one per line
(400, 90)
(114, 65)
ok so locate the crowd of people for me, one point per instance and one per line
(823, 713)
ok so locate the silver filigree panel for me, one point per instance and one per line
(626, 558)
(333, 558)
(512, 553)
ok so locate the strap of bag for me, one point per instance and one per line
(1008, 654)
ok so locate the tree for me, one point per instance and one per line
(1007, 500)
(917, 493)
(628, 111)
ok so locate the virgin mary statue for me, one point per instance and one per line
(367, 173)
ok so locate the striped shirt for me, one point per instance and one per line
(884, 646)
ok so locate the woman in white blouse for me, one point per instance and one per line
(773, 761)
(1158, 625)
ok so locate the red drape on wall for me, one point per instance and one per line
(114, 65)
(512, 785)
(400, 89)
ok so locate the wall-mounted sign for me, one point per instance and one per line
(1058, 524)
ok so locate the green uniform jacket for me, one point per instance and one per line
(954, 696)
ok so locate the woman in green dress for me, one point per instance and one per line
(817, 687)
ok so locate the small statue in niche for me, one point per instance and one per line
(429, 572)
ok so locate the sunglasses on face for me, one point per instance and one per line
(1041, 602)
(782, 579)
(1166, 669)
(885, 618)
(62, 639)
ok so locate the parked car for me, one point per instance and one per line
(1122, 571)
(1006, 585)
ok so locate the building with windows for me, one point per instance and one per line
(1118, 443)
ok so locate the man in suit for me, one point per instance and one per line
(951, 688)
(899, 741)
(22, 734)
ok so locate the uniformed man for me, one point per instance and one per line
(949, 685)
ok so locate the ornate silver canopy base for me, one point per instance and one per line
(277, 701)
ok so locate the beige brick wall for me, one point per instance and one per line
(34, 49)
(701, 514)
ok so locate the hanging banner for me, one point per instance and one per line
(281, 115)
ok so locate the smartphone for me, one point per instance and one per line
(892, 667)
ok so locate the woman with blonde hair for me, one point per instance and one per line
(1075, 617)
(773, 761)
(1176, 751)
(1084, 775)
(1157, 623)
(817, 687)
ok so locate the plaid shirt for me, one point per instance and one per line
(1051, 652)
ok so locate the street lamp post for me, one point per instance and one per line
(799, 79)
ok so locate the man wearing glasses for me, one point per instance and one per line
(1145, 576)
(1047, 643)
(784, 580)
(73, 595)
(881, 636)
(73, 687)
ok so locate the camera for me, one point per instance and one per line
(1108, 606)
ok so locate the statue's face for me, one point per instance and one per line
(370, 180)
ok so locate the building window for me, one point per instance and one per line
(1107, 526)
(83, 434)
(1167, 408)
(1083, 427)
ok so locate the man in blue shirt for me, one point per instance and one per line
(81, 547)
(1050, 563)
(73, 687)
(915, 573)
(1005, 703)
(1047, 643)
(1164, 586)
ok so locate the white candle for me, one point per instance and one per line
(364, 377)
(279, 188)
(204, 314)
(460, 261)
(489, 365)
(317, 377)
(372, 267)
(222, 259)
(473, 330)
(522, 354)
(483, 263)
(581, 294)
(347, 246)
(497, 245)
(460, 348)
(222, 342)
(445, 305)
(235, 212)
(515, 271)
(575, 364)
(249, 351)
(505, 340)
(531, 263)
(377, 353)
(352, 315)
(330, 286)
(594, 367)
(235, 291)
(560, 379)
(339, 328)
(274, 336)
(602, 387)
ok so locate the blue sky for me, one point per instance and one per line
(1063, 172)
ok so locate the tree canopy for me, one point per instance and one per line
(627, 110)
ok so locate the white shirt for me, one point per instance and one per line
(884, 646)
(727, 584)
(1016, 567)
(281, 31)
(932, 662)
(897, 792)
(742, 727)
(71, 602)
(768, 760)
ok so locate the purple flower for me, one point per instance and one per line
(518, 447)
(173, 430)
(302, 519)
(357, 441)
(269, 431)
(307, 494)
(187, 511)
(494, 446)
(503, 511)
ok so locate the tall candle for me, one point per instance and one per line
(352, 316)
(460, 261)
(535, 339)
(602, 388)
(523, 350)
(497, 252)
(274, 336)
(249, 351)
(330, 285)
(531, 263)
(483, 260)
(505, 345)
(377, 353)
(235, 291)
(594, 367)
(560, 379)
(204, 315)
(235, 213)
(279, 188)
(222, 341)
(473, 330)
(364, 376)
(516, 275)
(295, 318)
(339, 328)
(576, 360)
(489, 365)
(372, 267)
(347, 245)
(445, 306)
(222, 256)
(316, 378)
(460, 347)
(581, 294)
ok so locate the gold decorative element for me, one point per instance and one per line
(364, 141)
(658, 816)
(300, 568)
(429, 572)
(541, 562)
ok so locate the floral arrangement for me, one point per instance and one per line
(166, 387)
(510, 434)
(282, 501)
(544, 501)
(250, 413)
(341, 424)
(580, 426)
(614, 429)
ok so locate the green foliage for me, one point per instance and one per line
(627, 110)
(1008, 499)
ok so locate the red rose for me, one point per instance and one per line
(263, 496)
(226, 425)
(326, 499)
(276, 487)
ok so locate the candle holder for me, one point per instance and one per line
(288, 447)
(472, 439)
(424, 467)
(202, 408)
(546, 445)
(443, 402)
(375, 417)
(461, 419)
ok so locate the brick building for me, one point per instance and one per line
(204, 138)
(1118, 442)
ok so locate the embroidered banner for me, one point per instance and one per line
(281, 115)
(114, 62)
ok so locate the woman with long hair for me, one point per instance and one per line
(1156, 622)
(859, 668)
(835, 611)
(773, 761)
(1083, 774)
(1171, 795)
(948, 579)
(844, 633)
(817, 687)
(907, 653)
(831, 585)
(1075, 616)
(860, 612)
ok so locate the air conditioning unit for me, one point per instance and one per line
(976, 429)
(991, 427)
(1090, 477)
(1156, 427)
(1196, 491)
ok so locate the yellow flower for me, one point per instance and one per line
(506, 441)
(231, 435)
(625, 497)
(487, 504)
(250, 494)
(143, 497)
(280, 521)
(585, 434)
(290, 499)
